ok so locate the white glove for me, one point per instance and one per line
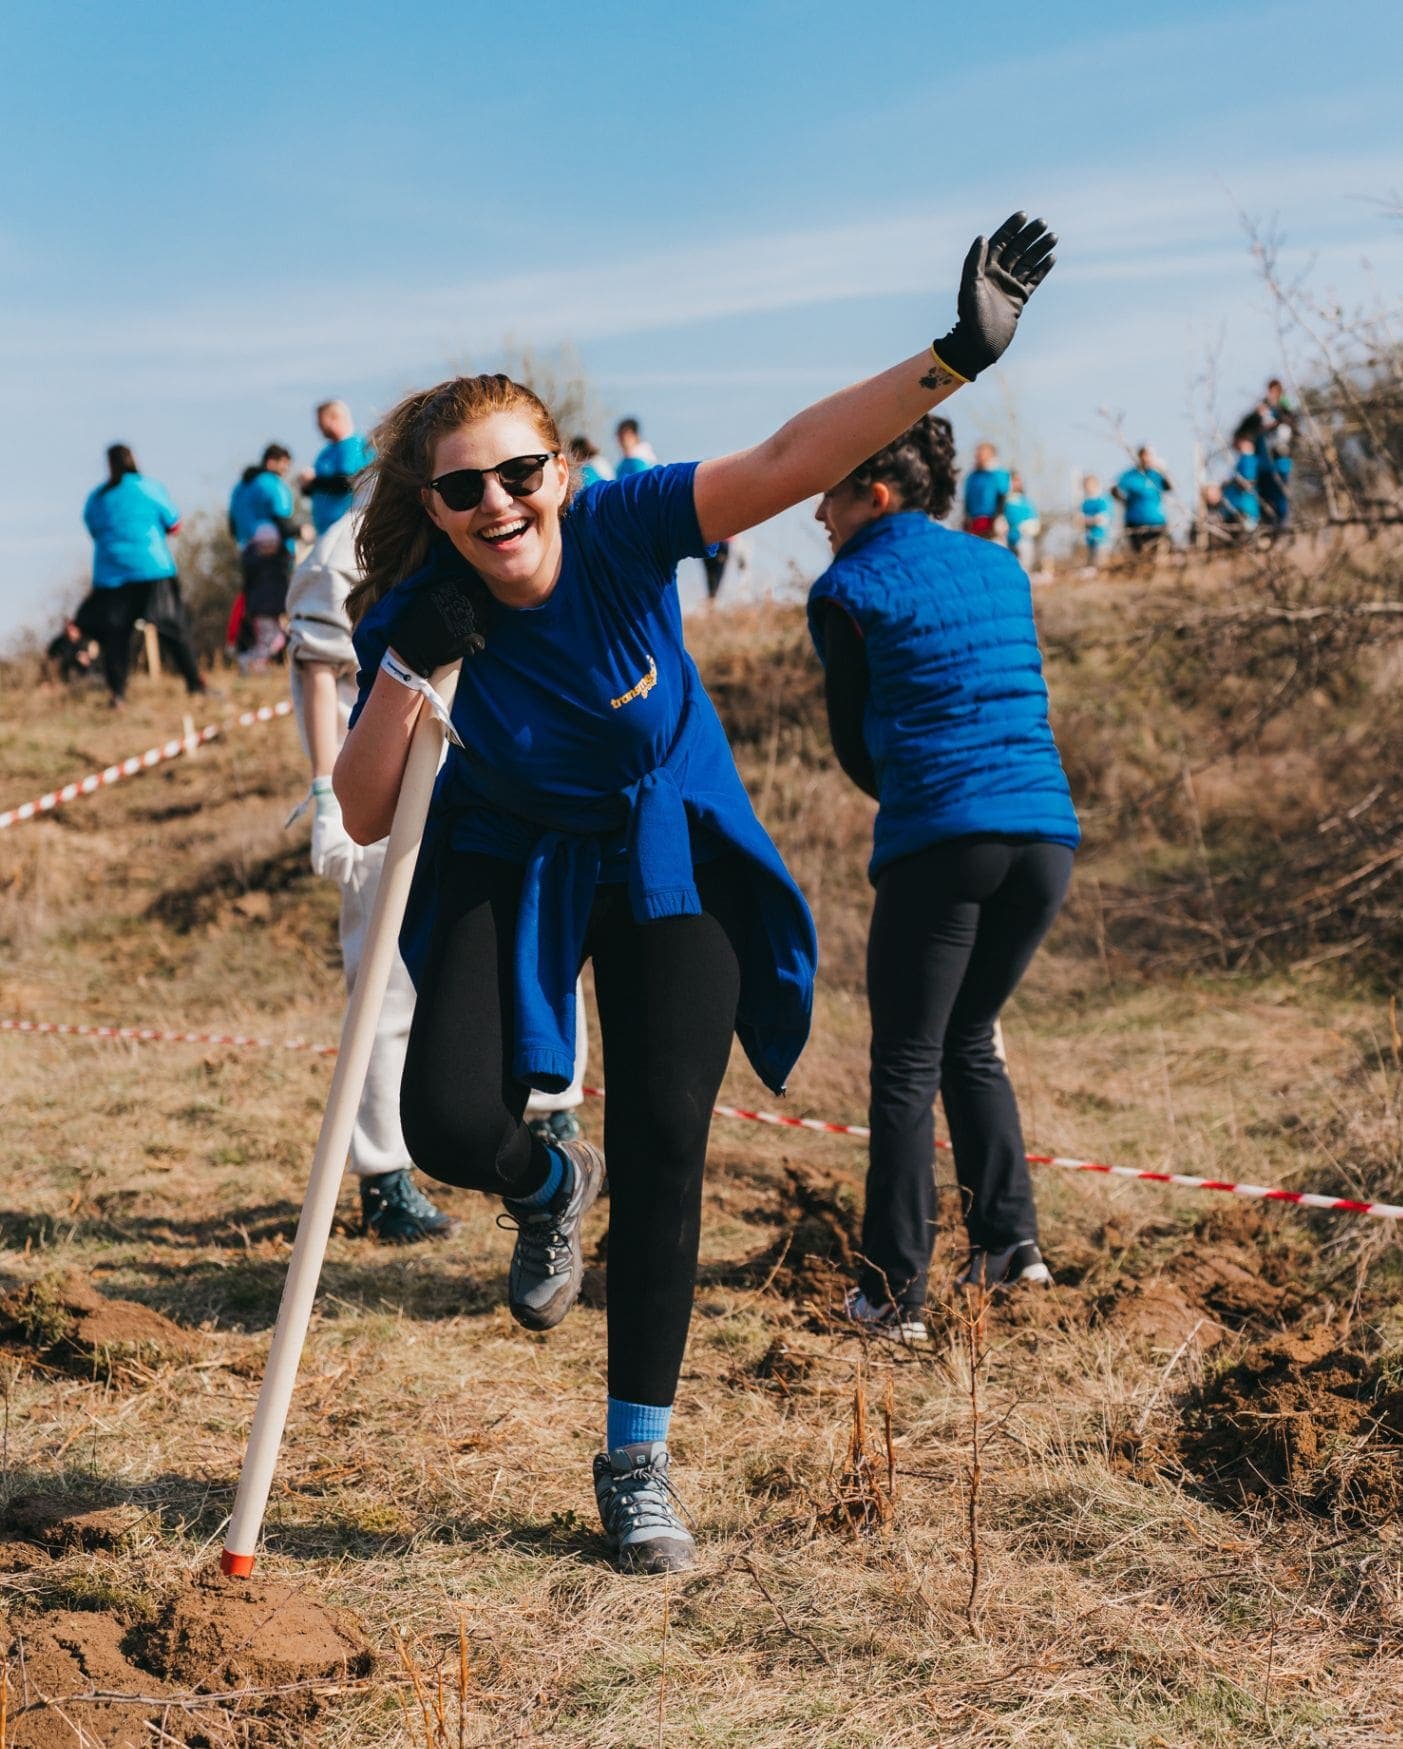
(334, 852)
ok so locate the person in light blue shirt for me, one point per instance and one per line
(264, 496)
(1095, 518)
(1142, 490)
(986, 487)
(636, 455)
(330, 481)
(263, 521)
(1242, 508)
(130, 519)
(586, 455)
(1021, 517)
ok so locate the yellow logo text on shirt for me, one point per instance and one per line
(641, 690)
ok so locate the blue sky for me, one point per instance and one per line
(212, 218)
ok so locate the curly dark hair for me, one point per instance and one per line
(919, 466)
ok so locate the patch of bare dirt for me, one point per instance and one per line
(57, 1524)
(815, 1259)
(71, 1653)
(221, 1634)
(66, 1322)
(1298, 1423)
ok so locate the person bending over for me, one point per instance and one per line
(593, 809)
(938, 709)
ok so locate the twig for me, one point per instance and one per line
(974, 1326)
(462, 1683)
(662, 1674)
(746, 1564)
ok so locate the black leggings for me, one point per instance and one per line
(115, 613)
(667, 994)
(953, 930)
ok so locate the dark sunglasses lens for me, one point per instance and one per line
(462, 490)
(523, 476)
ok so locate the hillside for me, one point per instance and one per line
(1189, 1452)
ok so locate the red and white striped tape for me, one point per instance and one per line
(1387, 1211)
(139, 762)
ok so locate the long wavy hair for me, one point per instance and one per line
(919, 466)
(395, 530)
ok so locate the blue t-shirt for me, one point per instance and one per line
(348, 455)
(129, 523)
(1017, 511)
(632, 464)
(591, 751)
(595, 470)
(1241, 490)
(1142, 490)
(984, 489)
(267, 497)
(1096, 515)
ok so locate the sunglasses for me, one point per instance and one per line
(521, 476)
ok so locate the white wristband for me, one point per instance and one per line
(390, 664)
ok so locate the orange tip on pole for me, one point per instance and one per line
(234, 1566)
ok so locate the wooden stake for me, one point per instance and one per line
(153, 648)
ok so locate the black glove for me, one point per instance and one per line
(1000, 274)
(439, 624)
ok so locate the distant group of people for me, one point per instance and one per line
(996, 506)
(1256, 494)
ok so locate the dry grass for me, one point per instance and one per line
(434, 1479)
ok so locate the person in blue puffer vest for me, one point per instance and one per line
(131, 518)
(938, 709)
(330, 483)
(589, 808)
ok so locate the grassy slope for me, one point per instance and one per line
(436, 1468)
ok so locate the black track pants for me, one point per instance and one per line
(115, 612)
(667, 994)
(953, 930)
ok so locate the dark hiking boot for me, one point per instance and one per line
(395, 1211)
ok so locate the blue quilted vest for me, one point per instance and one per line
(956, 720)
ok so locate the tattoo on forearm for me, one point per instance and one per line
(939, 376)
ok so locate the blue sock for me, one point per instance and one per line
(560, 1170)
(634, 1423)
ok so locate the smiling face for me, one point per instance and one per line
(512, 543)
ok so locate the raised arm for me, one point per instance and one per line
(823, 444)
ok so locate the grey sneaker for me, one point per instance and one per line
(1018, 1266)
(637, 1505)
(548, 1263)
(897, 1323)
(394, 1210)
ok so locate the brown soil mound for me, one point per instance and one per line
(68, 1323)
(1301, 1424)
(70, 1654)
(815, 1260)
(1201, 1294)
(56, 1523)
(222, 1634)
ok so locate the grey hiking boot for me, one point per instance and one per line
(1018, 1266)
(637, 1504)
(897, 1323)
(394, 1210)
(548, 1263)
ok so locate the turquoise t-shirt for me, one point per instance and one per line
(349, 456)
(1142, 490)
(984, 489)
(1018, 511)
(267, 497)
(1096, 517)
(129, 523)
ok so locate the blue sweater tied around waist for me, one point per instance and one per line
(560, 774)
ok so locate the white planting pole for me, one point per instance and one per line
(333, 1144)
